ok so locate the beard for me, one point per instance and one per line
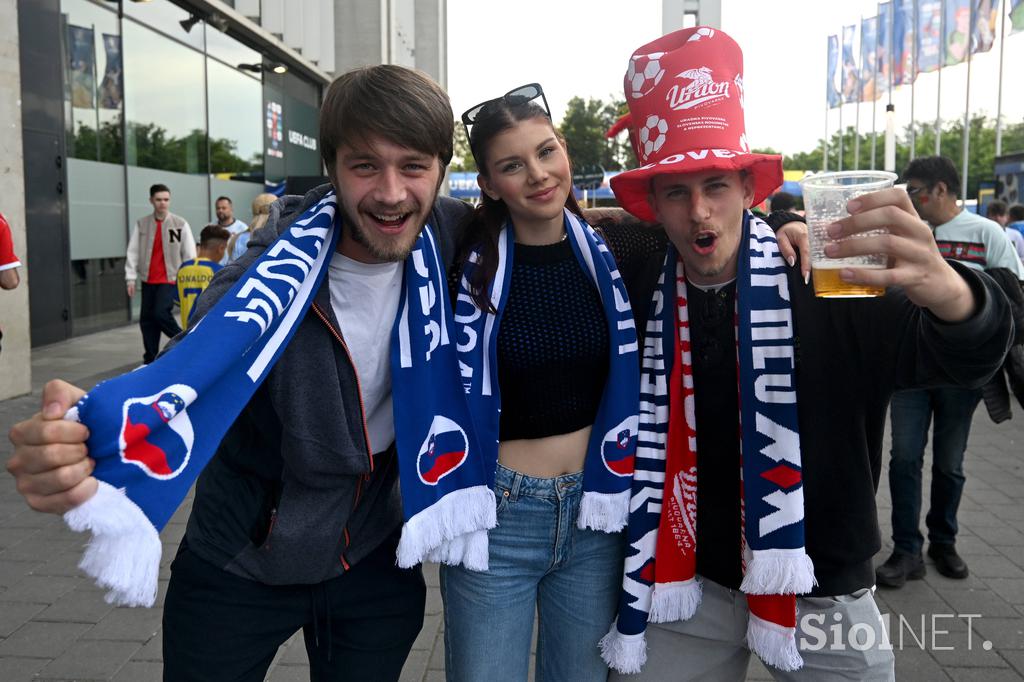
(386, 249)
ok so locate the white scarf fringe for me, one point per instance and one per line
(779, 571)
(607, 512)
(675, 601)
(773, 644)
(624, 653)
(123, 554)
(440, 531)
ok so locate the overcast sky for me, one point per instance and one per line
(581, 48)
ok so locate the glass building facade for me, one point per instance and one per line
(152, 94)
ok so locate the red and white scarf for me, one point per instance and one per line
(660, 579)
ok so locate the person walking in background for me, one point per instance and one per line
(159, 243)
(9, 263)
(978, 243)
(225, 210)
(997, 213)
(1015, 216)
(239, 241)
(195, 275)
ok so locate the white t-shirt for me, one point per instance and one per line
(364, 297)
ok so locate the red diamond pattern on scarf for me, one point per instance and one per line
(782, 476)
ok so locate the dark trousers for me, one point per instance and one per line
(156, 315)
(359, 626)
(911, 413)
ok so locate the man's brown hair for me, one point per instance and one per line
(394, 103)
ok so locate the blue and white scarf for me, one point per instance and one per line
(660, 582)
(153, 430)
(608, 467)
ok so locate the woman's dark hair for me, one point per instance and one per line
(482, 227)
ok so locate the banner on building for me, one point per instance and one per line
(958, 31)
(81, 67)
(929, 35)
(112, 88)
(983, 33)
(831, 91)
(903, 42)
(868, 46)
(1016, 15)
(851, 79)
(883, 48)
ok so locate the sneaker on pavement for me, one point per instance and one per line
(947, 561)
(899, 568)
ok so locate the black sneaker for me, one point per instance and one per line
(899, 568)
(947, 561)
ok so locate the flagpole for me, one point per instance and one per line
(999, 100)
(860, 96)
(913, 82)
(938, 96)
(824, 156)
(967, 111)
(841, 103)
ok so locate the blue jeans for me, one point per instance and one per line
(540, 563)
(911, 413)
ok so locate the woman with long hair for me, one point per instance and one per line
(550, 361)
(260, 212)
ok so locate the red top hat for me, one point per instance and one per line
(685, 96)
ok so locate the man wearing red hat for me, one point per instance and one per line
(763, 407)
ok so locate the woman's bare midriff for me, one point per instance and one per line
(546, 457)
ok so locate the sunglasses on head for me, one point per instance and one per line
(516, 96)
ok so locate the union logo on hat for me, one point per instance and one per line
(685, 96)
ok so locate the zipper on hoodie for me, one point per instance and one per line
(362, 413)
(355, 372)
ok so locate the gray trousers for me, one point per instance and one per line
(713, 644)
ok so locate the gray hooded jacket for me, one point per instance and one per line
(292, 495)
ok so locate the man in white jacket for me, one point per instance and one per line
(159, 243)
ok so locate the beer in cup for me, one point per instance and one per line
(825, 196)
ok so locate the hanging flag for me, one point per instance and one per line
(81, 69)
(868, 41)
(983, 33)
(111, 89)
(831, 91)
(929, 35)
(903, 42)
(958, 31)
(1016, 15)
(883, 49)
(851, 79)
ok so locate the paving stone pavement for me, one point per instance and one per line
(54, 624)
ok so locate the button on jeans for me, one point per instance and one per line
(540, 563)
(911, 412)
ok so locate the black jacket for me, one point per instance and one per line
(293, 496)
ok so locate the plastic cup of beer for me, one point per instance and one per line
(825, 196)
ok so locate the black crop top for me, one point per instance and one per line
(552, 345)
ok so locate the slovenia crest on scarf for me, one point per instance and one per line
(153, 430)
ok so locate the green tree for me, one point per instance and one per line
(462, 161)
(584, 126)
